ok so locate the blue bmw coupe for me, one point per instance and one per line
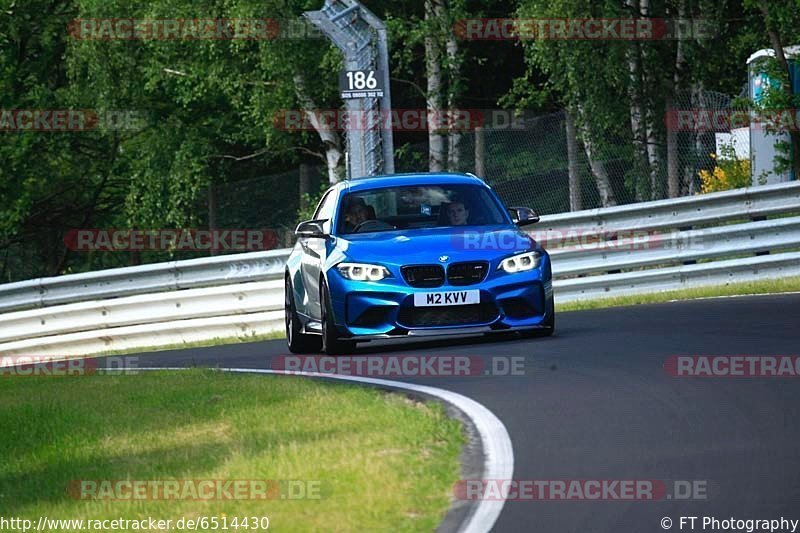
(411, 255)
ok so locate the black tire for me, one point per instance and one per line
(297, 341)
(549, 324)
(331, 343)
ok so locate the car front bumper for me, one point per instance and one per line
(385, 309)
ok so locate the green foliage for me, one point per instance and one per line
(781, 19)
(208, 105)
(49, 181)
(213, 99)
(593, 80)
(310, 202)
(775, 99)
(208, 108)
(570, 67)
(729, 172)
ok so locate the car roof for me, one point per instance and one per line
(411, 179)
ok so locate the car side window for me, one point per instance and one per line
(325, 210)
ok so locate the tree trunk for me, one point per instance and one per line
(333, 160)
(651, 141)
(330, 138)
(698, 102)
(433, 66)
(480, 152)
(453, 73)
(303, 185)
(691, 181)
(704, 141)
(636, 115)
(600, 173)
(653, 158)
(601, 176)
(673, 156)
(573, 167)
(212, 211)
(88, 214)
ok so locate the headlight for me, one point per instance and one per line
(362, 271)
(521, 262)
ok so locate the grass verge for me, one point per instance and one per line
(734, 289)
(216, 341)
(379, 460)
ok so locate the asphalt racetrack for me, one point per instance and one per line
(596, 403)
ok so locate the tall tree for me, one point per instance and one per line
(49, 180)
(781, 21)
(434, 15)
(573, 169)
(587, 88)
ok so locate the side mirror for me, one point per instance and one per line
(311, 229)
(522, 216)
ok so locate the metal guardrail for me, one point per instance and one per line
(714, 208)
(653, 249)
(679, 277)
(145, 279)
(223, 300)
(241, 294)
(173, 332)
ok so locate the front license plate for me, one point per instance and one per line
(432, 299)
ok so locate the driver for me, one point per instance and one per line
(357, 213)
(457, 213)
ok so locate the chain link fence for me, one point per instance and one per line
(527, 162)
(269, 202)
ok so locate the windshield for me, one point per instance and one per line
(426, 206)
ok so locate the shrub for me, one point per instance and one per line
(729, 172)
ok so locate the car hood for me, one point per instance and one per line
(427, 245)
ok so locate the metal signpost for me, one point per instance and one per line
(364, 84)
(361, 84)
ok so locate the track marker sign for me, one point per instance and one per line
(360, 84)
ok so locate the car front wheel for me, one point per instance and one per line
(549, 325)
(331, 343)
(297, 341)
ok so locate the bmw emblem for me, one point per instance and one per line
(444, 258)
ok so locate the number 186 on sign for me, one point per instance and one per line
(360, 84)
